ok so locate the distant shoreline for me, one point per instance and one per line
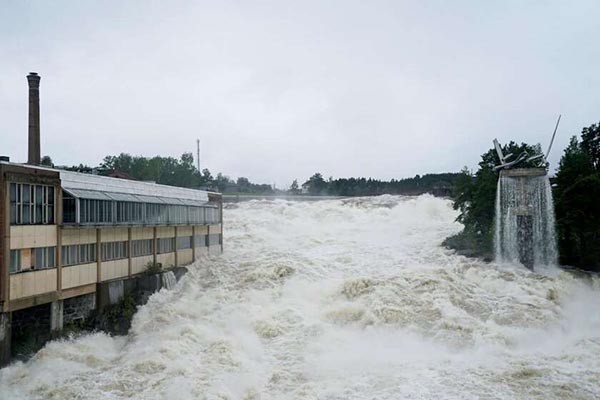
(235, 198)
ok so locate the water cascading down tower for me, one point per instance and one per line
(524, 221)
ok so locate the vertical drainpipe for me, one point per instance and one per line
(154, 245)
(130, 247)
(58, 221)
(176, 249)
(193, 243)
(34, 158)
(98, 256)
(5, 245)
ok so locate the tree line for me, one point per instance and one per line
(439, 184)
(576, 192)
(183, 173)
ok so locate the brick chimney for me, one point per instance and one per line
(34, 157)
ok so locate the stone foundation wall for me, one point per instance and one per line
(78, 308)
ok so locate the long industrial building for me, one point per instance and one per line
(65, 234)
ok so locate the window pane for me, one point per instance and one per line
(64, 258)
(38, 258)
(26, 194)
(50, 251)
(15, 261)
(50, 214)
(39, 194)
(26, 214)
(13, 192)
(13, 213)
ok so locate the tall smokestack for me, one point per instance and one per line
(34, 119)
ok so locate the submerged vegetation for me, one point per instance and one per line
(576, 190)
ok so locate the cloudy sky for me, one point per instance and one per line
(279, 90)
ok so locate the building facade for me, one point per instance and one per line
(63, 234)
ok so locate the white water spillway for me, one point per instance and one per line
(338, 300)
(524, 222)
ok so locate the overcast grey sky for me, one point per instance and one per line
(279, 90)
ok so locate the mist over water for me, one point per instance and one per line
(339, 299)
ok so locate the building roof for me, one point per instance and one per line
(97, 187)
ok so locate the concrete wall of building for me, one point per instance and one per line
(78, 236)
(114, 269)
(33, 283)
(139, 264)
(29, 236)
(184, 256)
(165, 232)
(78, 275)
(142, 233)
(184, 231)
(201, 230)
(113, 235)
(167, 259)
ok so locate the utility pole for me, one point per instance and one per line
(198, 154)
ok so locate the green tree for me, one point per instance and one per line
(590, 143)
(206, 179)
(294, 188)
(46, 161)
(576, 194)
(316, 185)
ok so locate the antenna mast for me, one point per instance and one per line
(198, 153)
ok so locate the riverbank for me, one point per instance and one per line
(470, 245)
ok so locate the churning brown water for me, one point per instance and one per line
(339, 299)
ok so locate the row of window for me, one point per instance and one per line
(143, 247)
(78, 254)
(214, 239)
(165, 245)
(32, 259)
(44, 257)
(124, 212)
(114, 251)
(184, 242)
(31, 204)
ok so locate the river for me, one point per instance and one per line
(338, 299)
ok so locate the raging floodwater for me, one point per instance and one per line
(339, 300)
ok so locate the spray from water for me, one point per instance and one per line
(338, 299)
(524, 221)
(168, 280)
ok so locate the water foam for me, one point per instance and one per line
(338, 299)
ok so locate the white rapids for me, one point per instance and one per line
(338, 299)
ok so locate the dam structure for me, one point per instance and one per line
(71, 243)
(525, 225)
